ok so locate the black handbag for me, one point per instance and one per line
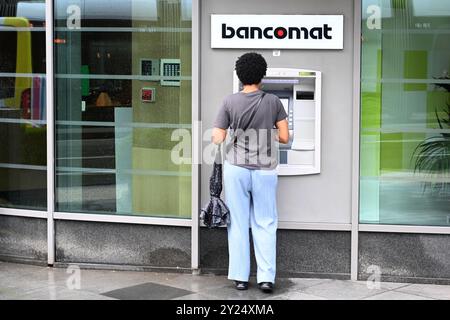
(216, 213)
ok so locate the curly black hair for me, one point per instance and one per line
(251, 68)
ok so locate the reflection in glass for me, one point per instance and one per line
(22, 105)
(113, 147)
(405, 128)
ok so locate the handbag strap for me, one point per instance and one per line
(235, 136)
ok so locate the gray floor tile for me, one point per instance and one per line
(295, 296)
(60, 293)
(147, 291)
(228, 292)
(110, 282)
(194, 283)
(384, 285)
(303, 283)
(392, 295)
(99, 281)
(342, 290)
(441, 292)
(32, 277)
(195, 296)
(19, 285)
(54, 277)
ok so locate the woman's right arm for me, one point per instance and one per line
(283, 131)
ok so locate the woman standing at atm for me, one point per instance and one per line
(257, 121)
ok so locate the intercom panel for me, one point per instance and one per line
(170, 68)
(150, 67)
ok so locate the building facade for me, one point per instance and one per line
(96, 98)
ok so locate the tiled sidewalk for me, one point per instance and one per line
(18, 281)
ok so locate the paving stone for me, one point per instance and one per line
(196, 283)
(342, 290)
(303, 283)
(195, 296)
(295, 296)
(433, 291)
(384, 285)
(393, 295)
(228, 292)
(147, 291)
(60, 293)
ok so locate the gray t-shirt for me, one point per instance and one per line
(255, 148)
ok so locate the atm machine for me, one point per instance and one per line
(300, 92)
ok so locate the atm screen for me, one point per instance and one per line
(285, 103)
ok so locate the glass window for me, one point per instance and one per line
(23, 156)
(123, 85)
(405, 112)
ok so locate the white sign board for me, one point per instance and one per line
(277, 31)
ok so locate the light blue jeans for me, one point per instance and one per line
(251, 198)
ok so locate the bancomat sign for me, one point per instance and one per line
(277, 31)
